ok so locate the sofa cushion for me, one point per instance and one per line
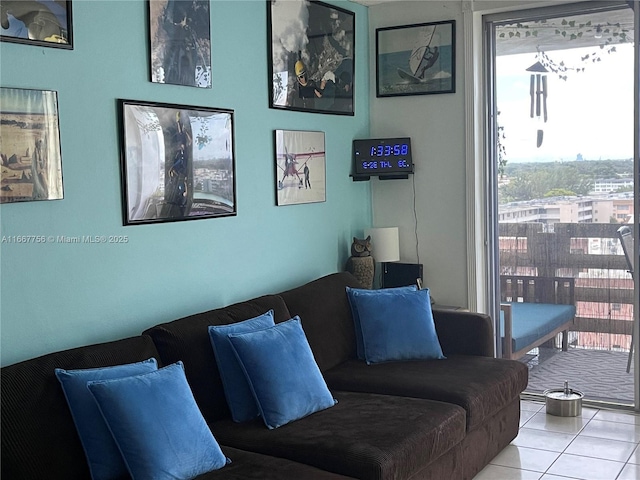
(323, 307)
(37, 427)
(156, 423)
(532, 321)
(104, 458)
(377, 437)
(187, 340)
(255, 466)
(236, 388)
(481, 385)
(397, 325)
(282, 373)
(351, 296)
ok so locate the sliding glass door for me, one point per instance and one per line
(564, 182)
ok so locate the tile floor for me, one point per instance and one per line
(599, 445)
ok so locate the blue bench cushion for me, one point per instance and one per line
(532, 321)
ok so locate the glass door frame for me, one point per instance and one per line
(483, 160)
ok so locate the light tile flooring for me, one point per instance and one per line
(599, 445)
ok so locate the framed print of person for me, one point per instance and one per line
(180, 42)
(45, 23)
(416, 59)
(178, 162)
(300, 167)
(29, 146)
(311, 57)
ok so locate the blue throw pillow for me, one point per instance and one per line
(282, 372)
(352, 292)
(157, 425)
(398, 327)
(236, 389)
(103, 456)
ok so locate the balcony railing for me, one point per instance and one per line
(592, 255)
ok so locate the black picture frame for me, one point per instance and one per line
(301, 175)
(177, 162)
(418, 59)
(180, 42)
(311, 57)
(31, 168)
(44, 23)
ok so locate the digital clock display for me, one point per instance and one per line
(382, 156)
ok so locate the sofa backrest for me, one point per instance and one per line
(187, 339)
(326, 317)
(39, 439)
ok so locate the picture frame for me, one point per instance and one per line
(44, 23)
(180, 42)
(418, 59)
(311, 57)
(300, 161)
(177, 162)
(30, 150)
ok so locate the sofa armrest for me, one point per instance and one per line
(464, 333)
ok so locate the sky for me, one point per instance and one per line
(590, 113)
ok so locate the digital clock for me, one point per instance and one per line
(382, 157)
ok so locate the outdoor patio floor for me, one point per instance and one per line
(600, 374)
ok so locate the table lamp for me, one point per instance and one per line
(385, 245)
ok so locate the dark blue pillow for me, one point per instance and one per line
(236, 389)
(352, 292)
(398, 327)
(103, 456)
(157, 425)
(282, 372)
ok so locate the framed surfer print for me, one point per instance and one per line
(416, 59)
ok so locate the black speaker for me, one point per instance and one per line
(395, 274)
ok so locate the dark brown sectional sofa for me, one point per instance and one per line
(430, 419)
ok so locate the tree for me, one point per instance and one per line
(559, 192)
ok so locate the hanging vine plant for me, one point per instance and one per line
(608, 34)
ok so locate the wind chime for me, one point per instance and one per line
(538, 93)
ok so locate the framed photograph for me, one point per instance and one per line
(416, 59)
(29, 146)
(311, 47)
(180, 42)
(46, 23)
(300, 167)
(178, 162)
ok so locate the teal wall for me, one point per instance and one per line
(55, 296)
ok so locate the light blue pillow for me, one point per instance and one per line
(352, 292)
(398, 327)
(103, 456)
(282, 372)
(236, 389)
(157, 425)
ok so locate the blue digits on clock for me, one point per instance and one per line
(388, 150)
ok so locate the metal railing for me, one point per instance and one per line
(591, 254)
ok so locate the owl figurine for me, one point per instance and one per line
(361, 264)
(361, 248)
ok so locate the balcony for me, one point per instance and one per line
(600, 338)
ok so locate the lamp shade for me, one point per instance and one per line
(385, 244)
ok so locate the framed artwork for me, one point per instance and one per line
(416, 59)
(29, 146)
(46, 23)
(178, 162)
(180, 42)
(311, 48)
(300, 167)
